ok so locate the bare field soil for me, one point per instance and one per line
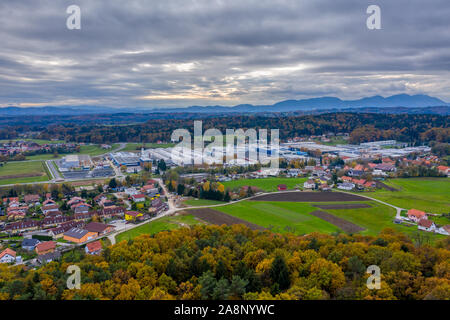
(343, 206)
(345, 225)
(309, 197)
(385, 186)
(219, 218)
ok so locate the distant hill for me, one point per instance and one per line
(404, 101)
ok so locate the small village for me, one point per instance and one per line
(48, 227)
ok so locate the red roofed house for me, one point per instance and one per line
(45, 247)
(347, 179)
(49, 208)
(99, 228)
(138, 197)
(426, 225)
(7, 256)
(94, 247)
(444, 170)
(416, 215)
(32, 199)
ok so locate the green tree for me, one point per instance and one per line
(279, 273)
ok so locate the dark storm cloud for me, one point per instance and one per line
(164, 53)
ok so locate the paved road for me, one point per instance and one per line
(53, 171)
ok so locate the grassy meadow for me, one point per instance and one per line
(266, 184)
(427, 194)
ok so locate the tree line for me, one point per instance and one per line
(234, 262)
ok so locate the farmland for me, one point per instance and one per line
(427, 194)
(130, 147)
(201, 202)
(279, 216)
(266, 184)
(163, 224)
(22, 172)
(296, 217)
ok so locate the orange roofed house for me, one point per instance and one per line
(45, 247)
(94, 247)
(416, 215)
(78, 235)
(7, 256)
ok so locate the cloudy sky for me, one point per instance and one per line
(206, 52)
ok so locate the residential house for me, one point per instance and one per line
(16, 215)
(99, 228)
(386, 167)
(444, 170)
(81, 208)
(112, 211)
(7, 256)
(444, 230)
(416, 215)
(49, 207)
(426, 225)
(75, 200)
(309, 184)
(138, 197)
(131, 191)
(355, 173)
(100, 197)
(49, 257)
(346, 186)
(157, 206)
(45, 247)
(58, 232)
(132, 215)
(30, 244)
(21, 226)
(54, 221)
(78, 235)
(32, 199)
(94, 248)
(347, 179)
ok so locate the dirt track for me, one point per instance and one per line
(345, 225)
(219, 218)
(309, 197)
(343, 206)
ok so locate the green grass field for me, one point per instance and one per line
(95, 150)
(202, 202)
(279, 216)
(39, 141)
(427, 194)
(137, 146)
(267, 184)
(163, 224)
(92, 150)
(11, 169)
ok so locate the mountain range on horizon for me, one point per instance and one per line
(321, 103)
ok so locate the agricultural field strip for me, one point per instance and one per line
(343, 224)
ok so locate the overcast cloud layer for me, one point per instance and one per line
(205, 52)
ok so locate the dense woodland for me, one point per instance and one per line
(410, 128)
(212, 262)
